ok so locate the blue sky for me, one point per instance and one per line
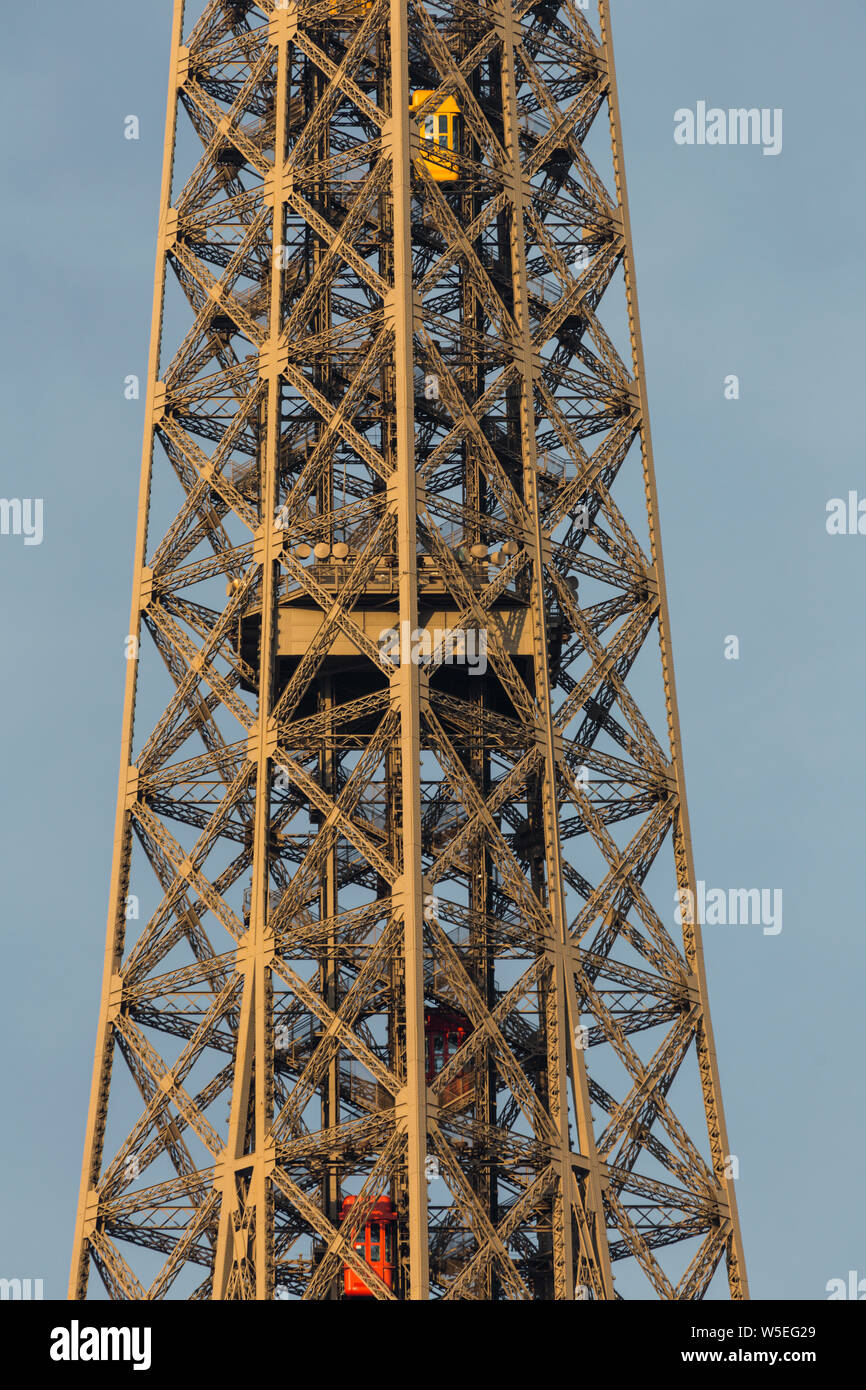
(746, 264)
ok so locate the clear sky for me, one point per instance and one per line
(748, 265)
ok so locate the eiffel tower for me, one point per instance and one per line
(396, 1004)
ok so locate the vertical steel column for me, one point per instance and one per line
(710, 1082)
(406, 684)
(570, 1058)
(111, 985)
(248, 1223)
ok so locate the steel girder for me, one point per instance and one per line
(381, 399)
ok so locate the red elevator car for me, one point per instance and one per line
(446, 1031)
(375, 1243)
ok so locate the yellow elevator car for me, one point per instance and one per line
(439, 136)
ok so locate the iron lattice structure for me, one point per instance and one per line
(381, 397)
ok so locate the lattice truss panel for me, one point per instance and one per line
(322, 855)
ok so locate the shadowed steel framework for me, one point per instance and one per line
(401, 812)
